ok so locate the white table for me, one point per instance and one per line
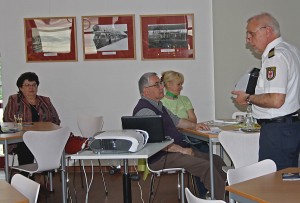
(149, 150)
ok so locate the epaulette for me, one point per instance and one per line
(271, 53)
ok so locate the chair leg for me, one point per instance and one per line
(50, 176)
(193, 184)
(104, 183)
(11, 170)
(178, 185)
(152, 180)
(182, 187)
(45, 183)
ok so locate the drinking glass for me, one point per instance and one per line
(18, 121)
(240, 118)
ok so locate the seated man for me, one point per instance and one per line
(179, 154)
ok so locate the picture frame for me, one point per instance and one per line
(50, 39)
(169, 36)
(108, 37)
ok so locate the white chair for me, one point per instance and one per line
(47, 148)
(89, 126)
(251, 171)
(180, 184)
(242, 148)
(27, 187)
(193, 199)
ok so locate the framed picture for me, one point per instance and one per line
(108, 37)
(50, 39)
(167, 36)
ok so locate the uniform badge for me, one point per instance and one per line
(271, 53)
(271, 73)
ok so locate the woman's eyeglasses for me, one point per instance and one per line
(29, 85)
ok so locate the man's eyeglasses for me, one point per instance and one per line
(157, 84)
(250, 34)
(29, 85)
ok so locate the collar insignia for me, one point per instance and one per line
(271, 73)
(271, 53)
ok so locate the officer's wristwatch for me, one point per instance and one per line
(248, 99)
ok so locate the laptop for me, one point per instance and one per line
(151, 124)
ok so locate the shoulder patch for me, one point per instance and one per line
(271, 53)
(270, 73)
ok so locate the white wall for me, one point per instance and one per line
(231, 58)
(107, 88)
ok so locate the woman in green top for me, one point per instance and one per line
(176, 103)
(182, 107)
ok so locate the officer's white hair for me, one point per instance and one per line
(268, 20)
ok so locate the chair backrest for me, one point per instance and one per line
(27, 187)
(193, 199)
(251, 171)
(237, 113)
(89, 125)
(241, 147)
(47, 147)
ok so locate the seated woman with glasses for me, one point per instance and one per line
(32, 108)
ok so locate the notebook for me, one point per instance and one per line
(151, 124)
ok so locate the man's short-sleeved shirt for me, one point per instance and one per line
(280, 73)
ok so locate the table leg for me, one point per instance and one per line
(126, 183)
(211, 162)
(63, 178)
(6, 167)
(182, 188)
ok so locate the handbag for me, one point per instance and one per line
(75, 144)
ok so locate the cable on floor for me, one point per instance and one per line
(137, 173)
(88, 186)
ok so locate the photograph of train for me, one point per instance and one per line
(104, 37)
(167, 36)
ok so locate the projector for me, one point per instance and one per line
(118, 141)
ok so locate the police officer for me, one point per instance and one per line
(277, 93)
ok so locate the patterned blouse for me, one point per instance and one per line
(18, 104)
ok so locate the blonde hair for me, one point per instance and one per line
(170, 75)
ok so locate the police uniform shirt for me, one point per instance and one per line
(280, 73)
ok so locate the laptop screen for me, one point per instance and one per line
(151, 124)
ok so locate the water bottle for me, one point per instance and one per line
(249, 120)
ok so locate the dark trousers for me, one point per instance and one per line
(201, 146)
(24, 154)
(281, 143)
